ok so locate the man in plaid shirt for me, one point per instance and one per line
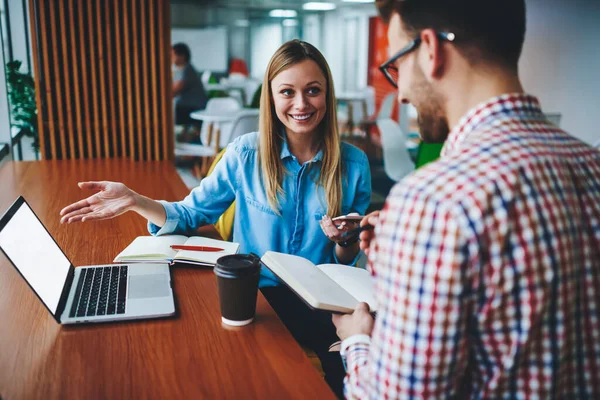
(487, 262)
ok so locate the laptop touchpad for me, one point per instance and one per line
(146, 286)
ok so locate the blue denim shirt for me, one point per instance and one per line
(256, 226)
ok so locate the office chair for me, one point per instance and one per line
(387, 106)
(396, 159)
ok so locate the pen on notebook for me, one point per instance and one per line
(195, 248)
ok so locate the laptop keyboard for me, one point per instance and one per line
(100, 291)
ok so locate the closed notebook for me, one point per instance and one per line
(158, 249)
(330, 287)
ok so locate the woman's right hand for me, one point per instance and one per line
(367, 236)
(112, 199)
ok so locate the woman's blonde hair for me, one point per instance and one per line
(271, 138)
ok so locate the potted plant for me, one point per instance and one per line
(21, 95)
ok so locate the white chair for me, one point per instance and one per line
(369, 92)
(245, 122)
(211, 141)
(205, 77)
(220, 105)
(242, 125)
(387, 106)
(251, 87)
(396, 160)
(364, 109)
(237, 94)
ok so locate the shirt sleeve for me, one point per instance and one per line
(205, 204)
(418, 344)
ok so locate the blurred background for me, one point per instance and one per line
(89, 79)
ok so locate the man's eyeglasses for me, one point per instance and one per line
(389, 68)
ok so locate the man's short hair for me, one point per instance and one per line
(486, 30)
(182, 49)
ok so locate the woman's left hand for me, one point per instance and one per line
(335, 232)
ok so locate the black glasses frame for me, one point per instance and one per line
(390, 64)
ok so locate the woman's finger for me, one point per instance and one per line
(92, 185)
(95, 216)
(328, 227)
(75, 206)
(76, 218)
(75, 213)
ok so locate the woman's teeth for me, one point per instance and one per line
(302, 117)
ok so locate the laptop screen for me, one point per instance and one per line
(35, 254)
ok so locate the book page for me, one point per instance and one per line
(206, 257)
(151, 248)
(309, 282)
(356, 281)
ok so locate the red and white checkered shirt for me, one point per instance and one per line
(487, 265)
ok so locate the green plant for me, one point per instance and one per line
(21, 95)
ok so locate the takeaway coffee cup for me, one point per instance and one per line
(237, 280)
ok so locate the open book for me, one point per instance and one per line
(158, 249)
(330, 287)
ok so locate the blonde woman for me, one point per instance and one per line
(288, 179)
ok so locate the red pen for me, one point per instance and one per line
(195, 248)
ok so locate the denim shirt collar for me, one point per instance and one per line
(285, 150)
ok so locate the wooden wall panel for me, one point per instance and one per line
(103, 78)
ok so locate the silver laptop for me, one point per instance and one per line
(98, 293)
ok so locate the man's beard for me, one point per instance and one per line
(433, 123)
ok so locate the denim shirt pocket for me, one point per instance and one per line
(266, 208)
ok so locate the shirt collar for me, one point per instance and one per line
(483, 115)
(285, 151)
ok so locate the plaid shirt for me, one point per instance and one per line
(488, 268)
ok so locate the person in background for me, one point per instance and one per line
(188, 93)
(487, 261)
(286, 179)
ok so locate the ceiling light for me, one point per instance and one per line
(358, 1)
(312, 6)
(278, 13)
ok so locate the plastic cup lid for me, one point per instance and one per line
(238, 264)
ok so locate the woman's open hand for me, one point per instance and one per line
(112, 199)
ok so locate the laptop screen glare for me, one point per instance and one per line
(35, 254)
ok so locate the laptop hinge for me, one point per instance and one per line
(65, 293)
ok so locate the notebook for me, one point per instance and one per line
(94, 293)
(329, 287)
(158, 249)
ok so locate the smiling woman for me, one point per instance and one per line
(299, 94)
(302, 95)
(285, 180)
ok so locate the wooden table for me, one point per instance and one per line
(190, 356)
